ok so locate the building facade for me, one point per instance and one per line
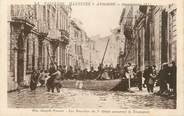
(76, 44)
(155, 30)
(127, 21)
(81, 46)
(38, 35)
(150, 35)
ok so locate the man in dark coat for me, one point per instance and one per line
(146, 75)
(163, 75)
(55, 80)
(117, 71)
(42, 78)
(34, 79)
(173, 77)
(139, 79)
(151, 81)
(85, 74)
(91, 73)
(69, 73)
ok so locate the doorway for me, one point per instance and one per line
(20, 59)
(164, 42)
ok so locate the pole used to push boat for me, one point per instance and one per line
(103, 58)
(105, 51)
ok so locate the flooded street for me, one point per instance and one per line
(75, 98)
(64, 45)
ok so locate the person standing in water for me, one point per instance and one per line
(34, 79)
(55, 80)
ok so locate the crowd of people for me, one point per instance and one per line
(55, 74)
(150, 77)
(165, 77)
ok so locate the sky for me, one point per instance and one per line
(98, 20)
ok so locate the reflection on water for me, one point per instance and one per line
(74, 98)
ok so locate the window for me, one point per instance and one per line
(81, 35)
(61, 54)
(53, 21)
(35, 7)
(27, 55)
(75, 48)
(48, 18)
(33, 55)
(57, 19)
(64, 22)
(29, 52)
(43, 57)
(67, 26)
(60, 20)
(75, 34)
(44, 13)
(48, 48)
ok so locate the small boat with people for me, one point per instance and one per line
(105, 79)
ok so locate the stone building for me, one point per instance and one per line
(80, 46)
(112, 52)
(155, 35)
(149, 34)
(172, 32)
(38, 35)
(76, 44)
(89, 53)
(126, 23)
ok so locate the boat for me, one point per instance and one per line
(103, 85)
(96, 84)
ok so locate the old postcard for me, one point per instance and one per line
(92, 57)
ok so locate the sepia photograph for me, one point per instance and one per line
(92, 57)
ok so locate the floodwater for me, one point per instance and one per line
(75, 98)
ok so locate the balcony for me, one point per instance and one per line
(24, 13)
(64, 36)
(55, 43)
(23, 24)
(22, 20)
(42, 36)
